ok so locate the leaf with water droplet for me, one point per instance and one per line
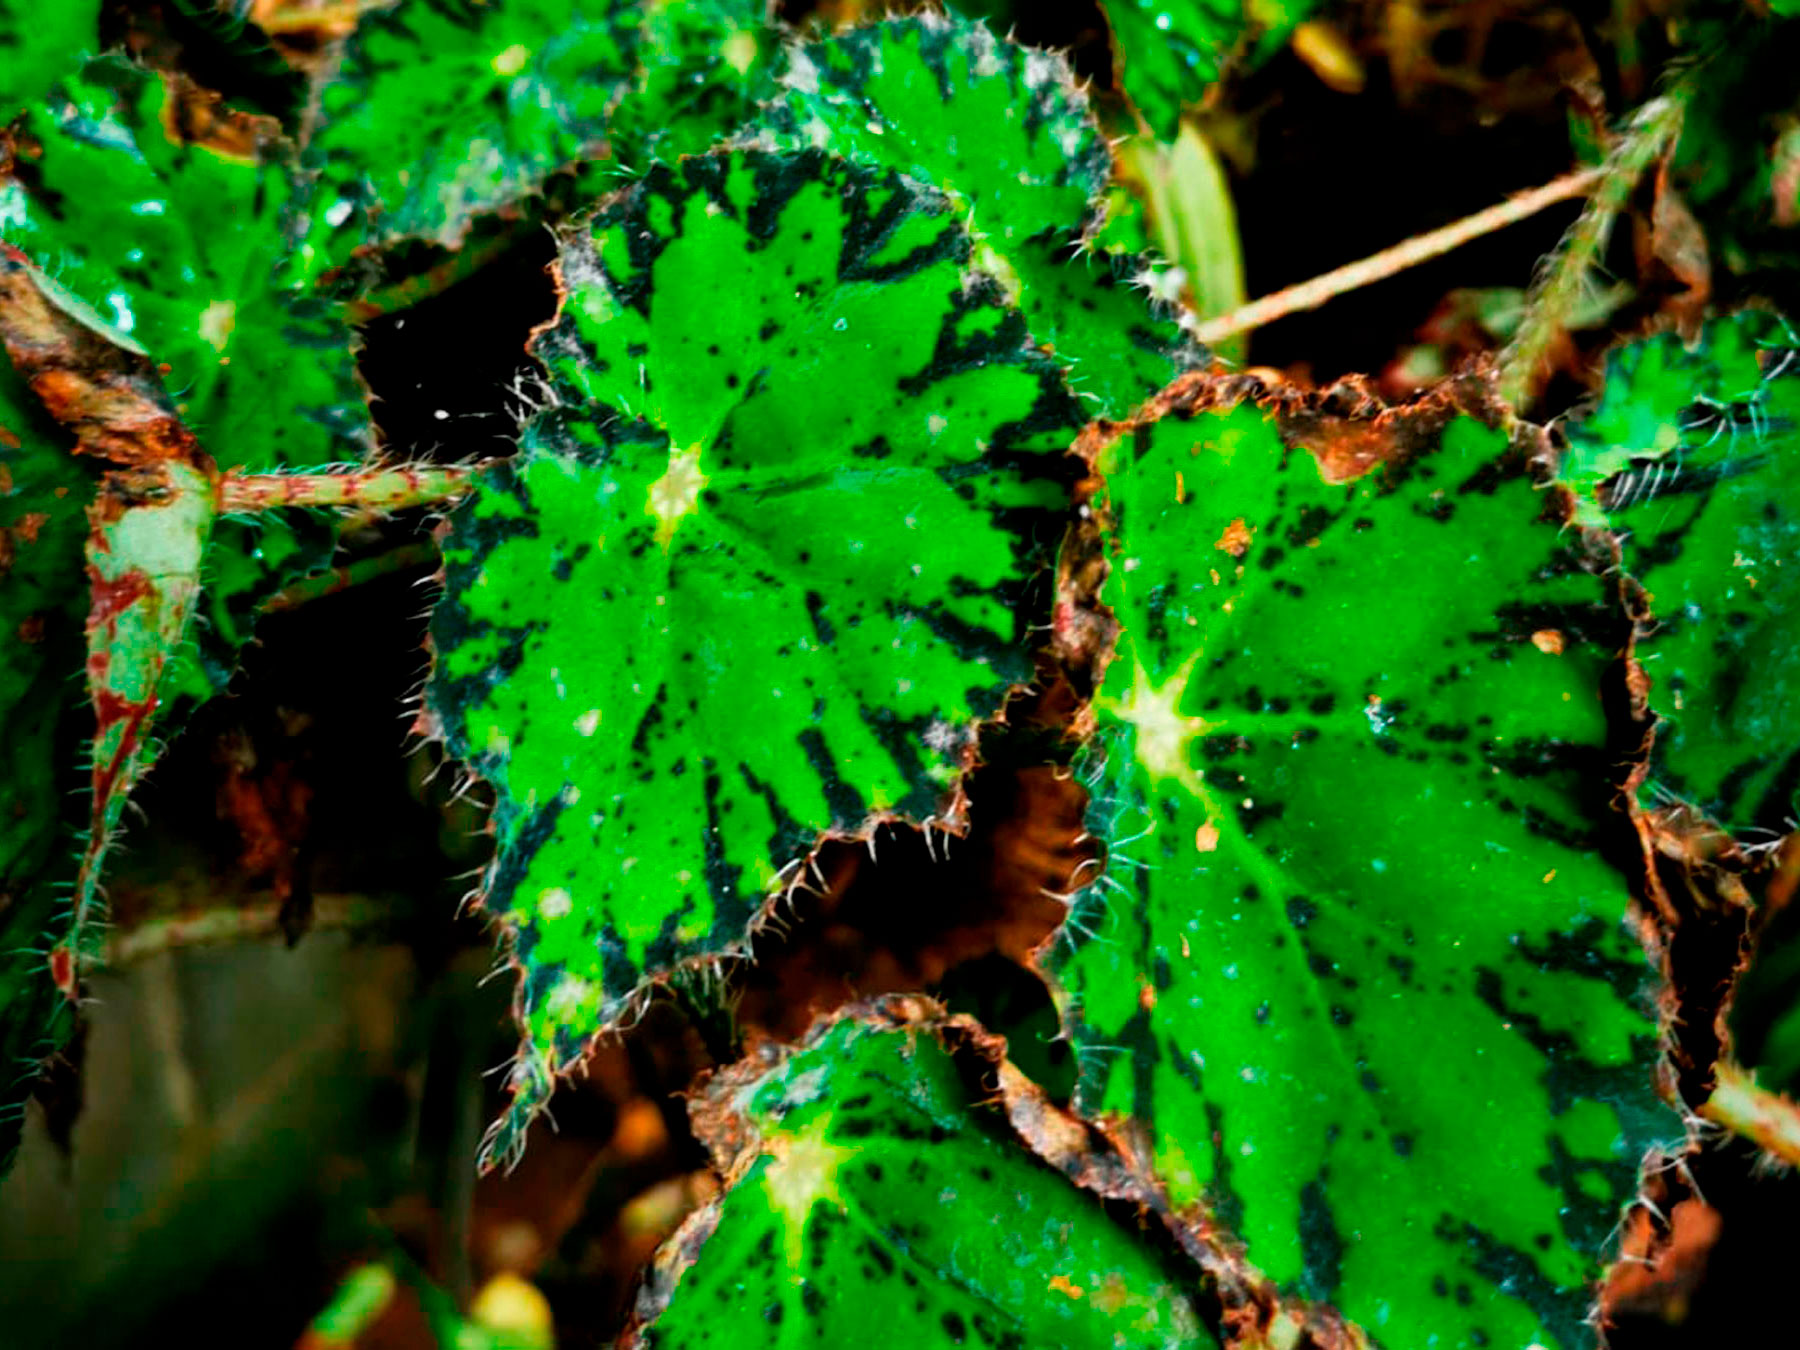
(1004, 130)
(1168, 52)
(169, 246)
(440, 114)
(674, 678)
(1358, 964)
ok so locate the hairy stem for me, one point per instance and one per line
(1769, 1118)
(374, 489)
(1561, 280)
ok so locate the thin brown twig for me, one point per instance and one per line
(1392, 261)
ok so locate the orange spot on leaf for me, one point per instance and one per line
(1235, 540)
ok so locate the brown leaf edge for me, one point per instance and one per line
(1701, 901)
(1347, 426)
(1240, 1303)
(1689, 907)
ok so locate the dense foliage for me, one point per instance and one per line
(1432, 728)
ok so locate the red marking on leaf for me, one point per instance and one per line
(114, 595)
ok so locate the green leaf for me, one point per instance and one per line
(673, 676)
(38, 42)
(703, 67)
(1109, 319)
(876, 1199)
(445, 110)
(1005, 131)
(1356, 963)
(170, 248)
(1169, 51)
(1689, 455)
(44, 493)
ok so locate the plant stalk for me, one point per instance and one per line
(372, 490)
(1557, 289)
(1768, 1118)
(1392, 261)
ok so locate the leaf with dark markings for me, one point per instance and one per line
(1099, 316)
(703, 65)
(1002, 128)
(875, 1199)
(1689, 456)
(1356, 963)
(442, 112)
(1006, 132)
(673, 678)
